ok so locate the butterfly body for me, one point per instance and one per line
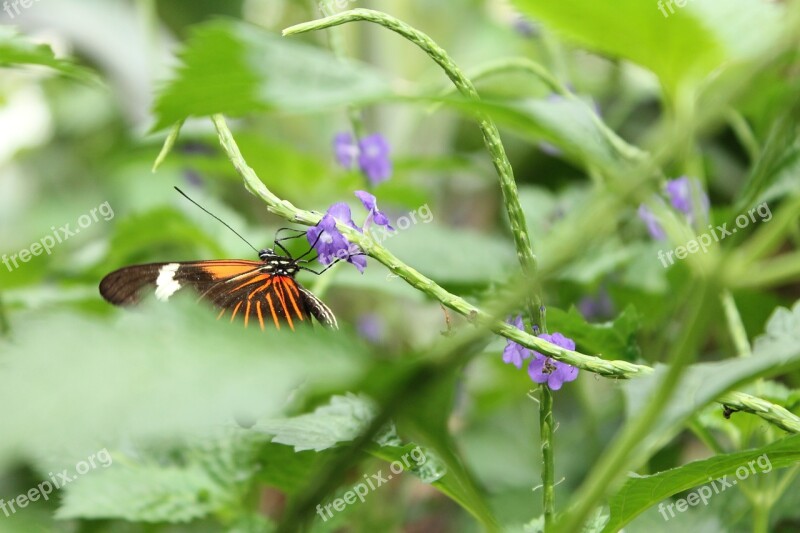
(261, 292)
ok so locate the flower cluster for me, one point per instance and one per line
(541, 369)
(371, 153)
(331, 245)
(687, 197)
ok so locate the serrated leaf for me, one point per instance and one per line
(641, 492)
(235, 68)
(341, 420)
(615, 339)
(203, 481)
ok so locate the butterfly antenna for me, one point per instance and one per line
(217, 218)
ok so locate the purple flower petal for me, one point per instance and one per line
(515, 353)
(525, 27)
(543, 369)
(683, 192)
(536, 370)
(597, 307)
(370, 327)
(345, 149)
(373, 158)
(341, 212)
(375, 215)
(359, 261)
(652, 223)
(330, 244)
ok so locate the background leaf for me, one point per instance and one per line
(234, 68)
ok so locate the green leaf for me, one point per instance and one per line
(341, 420)
(641, 492)
(615, 339)
(15, 50)
(163, 371)
(202, 481)
(287, 470)
(684, 46)
(775, 172)
(234, 68)
(567, 123)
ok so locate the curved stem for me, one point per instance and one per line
(735, 325)
(491, 135)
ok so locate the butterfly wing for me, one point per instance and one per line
(241, 288)
(317, 308)
(127, 285)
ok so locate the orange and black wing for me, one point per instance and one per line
(239, 287)
(269, 299)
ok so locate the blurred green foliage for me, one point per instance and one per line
(188, 407)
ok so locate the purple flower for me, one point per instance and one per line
(328, 241)
(515, 353)
(525, 27)
(371, 152)
(653, 225)
(599, 306)
(373, 158)
(370, 327)
(543, 369)
(682, 194)
(344, 146)
(375, 215)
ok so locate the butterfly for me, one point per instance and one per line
(262, 292)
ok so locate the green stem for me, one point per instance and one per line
(735, 325)
(744, 133)
(761, 518)
(169, 144)
(702, 433)
(773, 413)
(780, 271)
(784, 483)
(546, 433)
(491, 134)
(513, 64)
